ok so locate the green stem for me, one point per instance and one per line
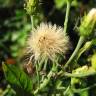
(67, 15)
(45, 65)
(80, 42)
(37, 72)
(44, 69)
(46, 80)
(61, 88)
(84, 89)
(66, 91)
(32, 21)
(41, 63)
(81, 75)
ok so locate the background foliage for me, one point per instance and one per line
(15, 26)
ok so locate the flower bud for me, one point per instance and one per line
(31, 6)
(88, 23)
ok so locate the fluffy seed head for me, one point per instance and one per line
(47, 41)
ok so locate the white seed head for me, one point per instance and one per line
(47, 41)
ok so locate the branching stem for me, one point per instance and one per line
(46, 80)
(80, 42)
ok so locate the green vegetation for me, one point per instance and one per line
(44, 59)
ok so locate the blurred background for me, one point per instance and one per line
(15, 26)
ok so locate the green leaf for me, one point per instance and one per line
(18, 78)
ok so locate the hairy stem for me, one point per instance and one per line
(46, 80)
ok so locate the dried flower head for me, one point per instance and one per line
(47, 41)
